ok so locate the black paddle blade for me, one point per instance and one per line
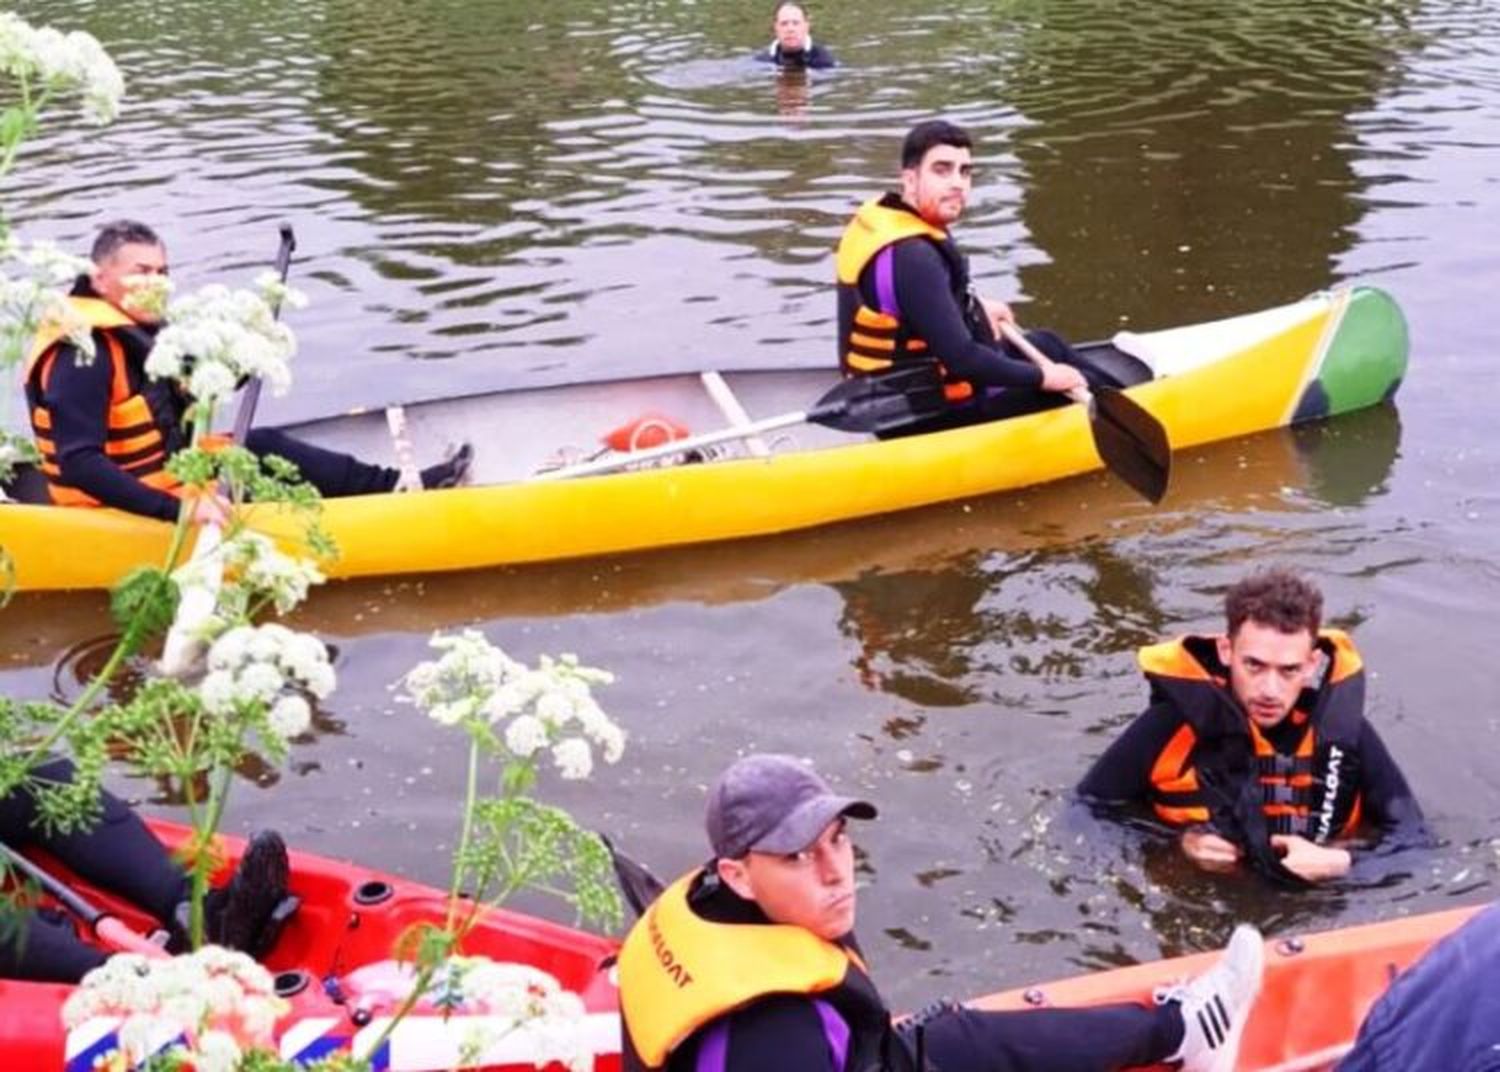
(1132, 443)
(882, 401)
(637, 883)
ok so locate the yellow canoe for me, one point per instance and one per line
(1328, 354)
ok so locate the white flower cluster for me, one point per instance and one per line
(257, 568)
(217, 336)
(551, 705)
(223, 1001)
(521, 997)
(54, 62)
(268, 664)
(32, 296)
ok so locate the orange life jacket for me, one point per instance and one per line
(134, 438)
(1314, 791)
(874, 339)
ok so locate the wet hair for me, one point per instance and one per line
(925, 136)
(1276, 597)
(121, 233)
(784, 4)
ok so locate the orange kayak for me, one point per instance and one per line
(351, 917)
(1317, 990)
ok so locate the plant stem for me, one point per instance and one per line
(470, 794)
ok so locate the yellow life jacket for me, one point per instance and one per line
(874, 339)
(1312, 791)
(679, 972)
(133, 439)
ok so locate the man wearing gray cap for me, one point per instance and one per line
(750, 963)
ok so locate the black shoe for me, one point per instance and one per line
(452, 470)
(242, 916)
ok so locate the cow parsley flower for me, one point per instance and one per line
(51, 61)
(529, 708)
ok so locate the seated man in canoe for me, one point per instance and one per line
(105, 430)
(1256, 745)
(118, 853)
(904, 295)
(750, 963)
(792, 47)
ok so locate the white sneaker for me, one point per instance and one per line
(1216, 1005)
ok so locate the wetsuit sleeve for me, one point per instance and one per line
(820, 57)
(1123, 773)
(927, 304)
(78, 395)
(782, 1031)
(1387, 800)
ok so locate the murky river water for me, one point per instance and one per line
(488, 192)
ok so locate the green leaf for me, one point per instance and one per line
(143, 605)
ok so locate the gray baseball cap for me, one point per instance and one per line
(770, 803)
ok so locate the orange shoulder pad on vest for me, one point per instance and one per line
(873, 228)
(1170, 658)
(1346, 658)
(92, 313)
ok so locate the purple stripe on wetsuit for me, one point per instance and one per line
(713, 1051)
(885, 282)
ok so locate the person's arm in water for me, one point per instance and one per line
(1122, 776)
(79, 397)
(926, 299)
(1387, 803)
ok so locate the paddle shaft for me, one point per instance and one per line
(181, 647)
(1017, 338)
(245, 416)
(677, 446)
(1130, 441)
(110, 928)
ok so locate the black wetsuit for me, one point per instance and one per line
(118, 853)
(78, 396)
(816, 57)
(786, 1031)
(928, 284)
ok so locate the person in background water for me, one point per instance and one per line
(1255, 744)
(105, 429)
(119, 854)
(904, 295)
(750, 963)
(793, 46)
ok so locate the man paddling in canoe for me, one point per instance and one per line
(1256, 744)
(750, 963)
(105, 430)
(119, 854)
(904, 295)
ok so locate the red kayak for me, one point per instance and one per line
(1317, 987)
(350, 917)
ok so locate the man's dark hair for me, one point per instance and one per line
(121, 233)
(924, 136)
(1275, 597)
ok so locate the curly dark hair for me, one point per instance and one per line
(1278, 597)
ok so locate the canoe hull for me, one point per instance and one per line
(1320, 357)
(332, 934)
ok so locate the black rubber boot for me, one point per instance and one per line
(452, 470)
